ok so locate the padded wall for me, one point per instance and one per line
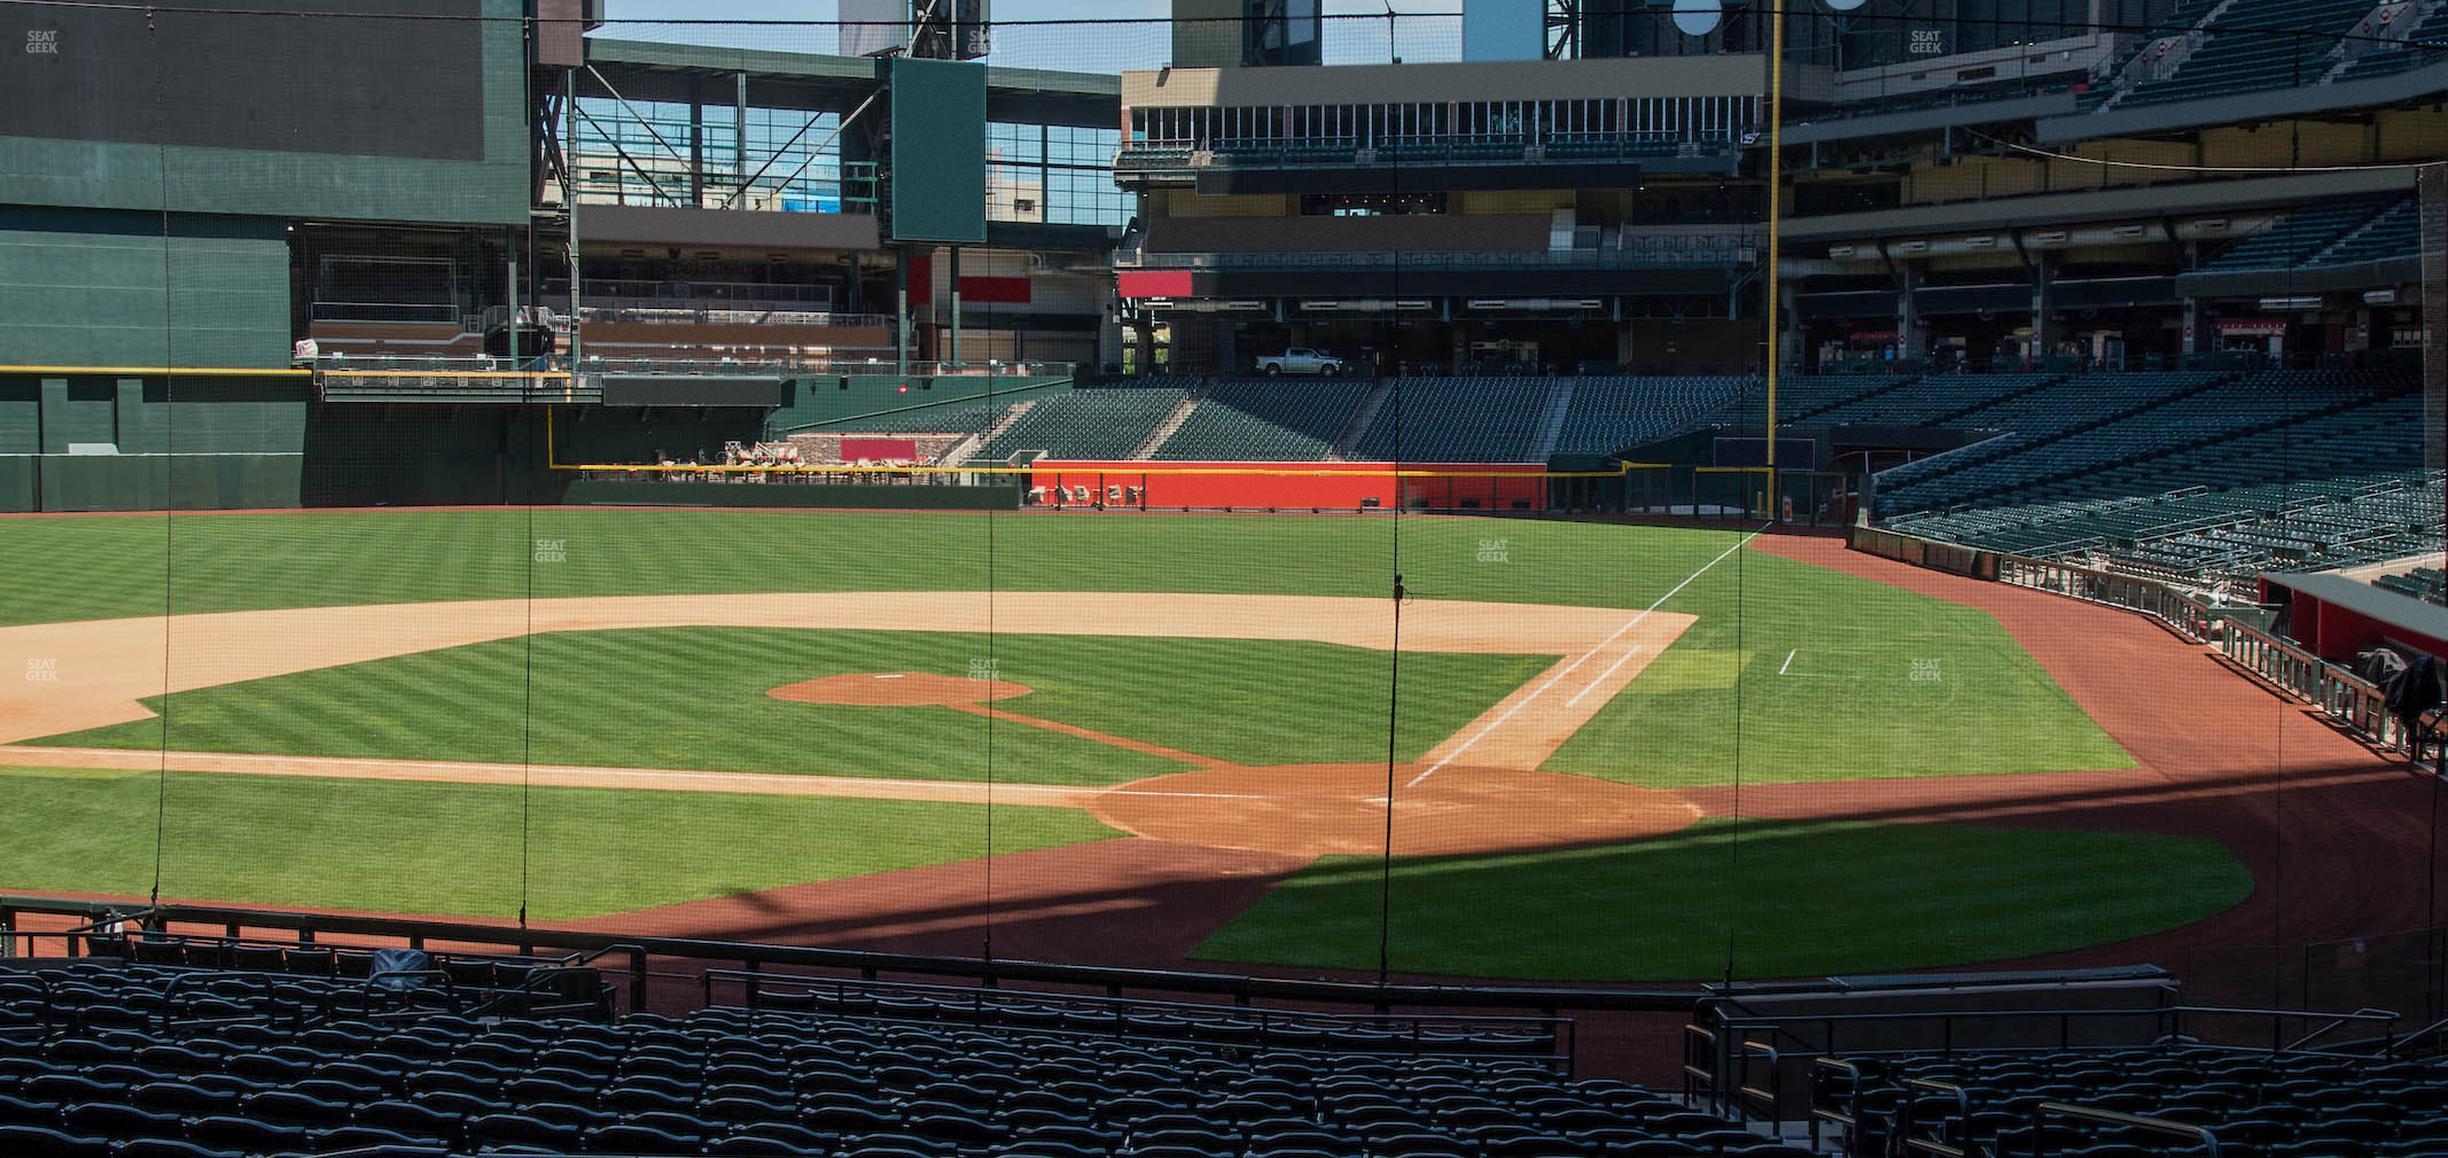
(86, 288)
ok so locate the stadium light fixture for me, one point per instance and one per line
(1701, 17)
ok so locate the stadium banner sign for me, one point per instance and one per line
(1154, 283)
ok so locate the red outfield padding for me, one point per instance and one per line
(1298, 485)
(879, 449)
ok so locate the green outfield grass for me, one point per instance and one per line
(695, 698)
(1840, 677)
(1801, 899)
(456, 849)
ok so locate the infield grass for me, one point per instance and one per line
(1828, 676)
(695, 698)
(1802, 899)
(456, 849)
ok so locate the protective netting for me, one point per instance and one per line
(1325, 517)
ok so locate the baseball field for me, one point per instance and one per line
(1572, 751)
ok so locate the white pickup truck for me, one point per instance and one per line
(1299, 360)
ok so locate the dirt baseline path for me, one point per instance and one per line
(1495, 800)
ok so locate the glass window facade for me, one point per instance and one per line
(1053, 174)
(670, 153)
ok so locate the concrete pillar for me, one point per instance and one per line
(696, 142)
(2196, 327)
(2044, 335)
(1789, 326)
(901, 313)
(1912, 341)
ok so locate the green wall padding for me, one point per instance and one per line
(231, 415)
(17, 484)
(103, 482)
(20, 415)
(78, 410)
(87, 288)
(273, 182)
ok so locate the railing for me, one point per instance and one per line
(2188, 617)
(1842, 1115)
(1753, 1101)
(1926, 1144)
(1546, 1039)
(1700, 1062)
(825, 186)
(697, 294)
(2196, 1135)
(596, 310)
(418, 312)
(640, 953)
(733, 360)
(1638, 251)
(1512, 149)
(2164, 1022)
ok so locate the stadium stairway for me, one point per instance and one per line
(968, 448)
(1165, 429)
(1347, 441)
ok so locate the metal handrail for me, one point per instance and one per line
(1555, 1031)
(1700, 1061)
(1639, 252)
(1846, 1115)
(2173, 1017)
(720, 359)
(1746, 1095)
(2201, 1135)
(1963, 1111)
(2335, 1023)
(1547, 1000)
(762, 979)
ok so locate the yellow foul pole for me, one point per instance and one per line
(1776, 189)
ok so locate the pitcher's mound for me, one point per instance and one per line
(902, 689)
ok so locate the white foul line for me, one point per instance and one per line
(1788, 660)
(1603, 676)
(1601, 645)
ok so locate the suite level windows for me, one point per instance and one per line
(1399, 126)
(1371, 204)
